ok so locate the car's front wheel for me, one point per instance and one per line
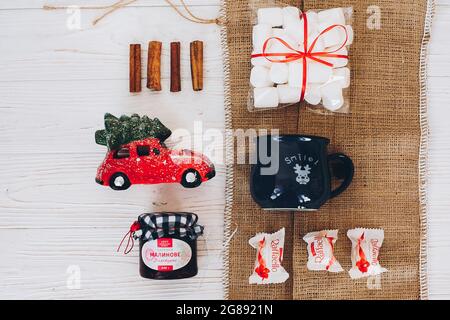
(191, 179)
(119, 181)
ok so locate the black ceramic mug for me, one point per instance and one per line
(294, 172)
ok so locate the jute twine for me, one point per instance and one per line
(189, 15)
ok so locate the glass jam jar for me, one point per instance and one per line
(168, 245)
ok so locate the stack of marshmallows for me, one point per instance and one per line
(281, 83)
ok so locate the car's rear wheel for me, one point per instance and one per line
(191, 179)
(119, 181)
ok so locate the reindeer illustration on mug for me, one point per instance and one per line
(302, 173)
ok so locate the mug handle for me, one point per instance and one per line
(348, 171)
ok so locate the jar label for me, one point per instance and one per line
(166, 254)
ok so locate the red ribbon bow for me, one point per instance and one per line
(133, 228)
(306, 53)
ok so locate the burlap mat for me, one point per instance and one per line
(385, 135)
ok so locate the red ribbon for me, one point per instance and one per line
(262, 270)
(362, 264)
(330, 240)
(306, 53)
(134, 227)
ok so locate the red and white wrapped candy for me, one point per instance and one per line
(321, 251)
(366, 244)
(269, 256)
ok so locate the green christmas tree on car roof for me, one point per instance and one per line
(123, 130)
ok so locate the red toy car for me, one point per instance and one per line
(149, 162)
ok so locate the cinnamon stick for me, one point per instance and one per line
(135, 67)
(197, 65)
(175, 77)
(154, 65)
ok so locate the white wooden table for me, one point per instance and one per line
(56, 225)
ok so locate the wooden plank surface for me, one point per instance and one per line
(55, 86)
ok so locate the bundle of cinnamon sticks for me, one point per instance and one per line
(154, 66)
